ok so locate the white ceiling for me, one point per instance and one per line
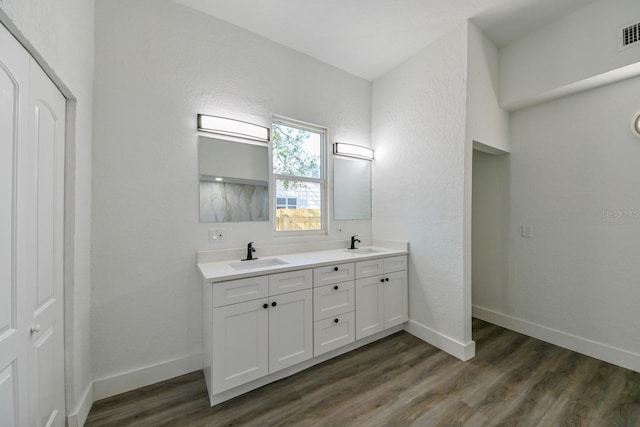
(367, 38)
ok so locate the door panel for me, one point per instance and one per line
(369, 306)
(8, 144)
(45, 240)
(14, 75)
(46, 140)
(9, 413)
(395, 299)
(290, 329)
(44, 348)
(240, 344)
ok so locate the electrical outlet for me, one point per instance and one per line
(216, 234)
(339, 231)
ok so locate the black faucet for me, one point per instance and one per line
(250, 251)
(353, 241)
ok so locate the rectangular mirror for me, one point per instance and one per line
(351, 188)
(234, 181)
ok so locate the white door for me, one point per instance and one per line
(240, 344)
(44, 248)
(290, 329)
(395, 299)
(369, 307)
(32, 199)
(14, 76)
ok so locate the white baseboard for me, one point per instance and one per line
(78, 417)
(617, 356)
(131, 380)
(455, 348)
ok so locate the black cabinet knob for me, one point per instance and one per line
(335, 268)
(386, 280)
(335, 287)
(382, 280)
(273, 304)
(336, 320)
(265, 305)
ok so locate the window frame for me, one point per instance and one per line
(322, 180)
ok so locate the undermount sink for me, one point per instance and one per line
(256, 263)
(363, 251)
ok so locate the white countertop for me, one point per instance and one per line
(221, 271)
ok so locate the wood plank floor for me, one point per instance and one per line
(514, 380)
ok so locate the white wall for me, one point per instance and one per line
(487, 123)
(490, 230)
(575, 53)
(574, 179)
(418, 126)
(158, 64)
(60, 35)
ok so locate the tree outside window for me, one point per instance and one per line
(298, 168)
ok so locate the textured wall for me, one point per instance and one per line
(574, 49)
(574, 178)
(61, 37)
(490, 230)
(158, 64)
(418, 118)
(487, 123)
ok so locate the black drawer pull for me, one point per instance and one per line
(265, 305)
(336, 287)
(336, 320)
(335, 269)
(273, 304)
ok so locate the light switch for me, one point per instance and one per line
(526, 230)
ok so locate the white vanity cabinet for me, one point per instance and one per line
(264, 325)
(381, 295)
(269, 332)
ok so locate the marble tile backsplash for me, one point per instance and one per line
(224, 202)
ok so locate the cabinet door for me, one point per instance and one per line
(369, 307)
(240, 344)
(395, 299)
(290, 329)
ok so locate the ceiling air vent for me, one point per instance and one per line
(629, 36)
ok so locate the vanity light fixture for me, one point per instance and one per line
(635, 125)
(232, 127)
(351, 150)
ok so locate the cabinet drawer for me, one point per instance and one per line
(333, 300)
(333, 274)
(234, 291)
(290, 281)
(396, 263)
(373, 267)
(332, 333)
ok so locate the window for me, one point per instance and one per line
(286, 203)
(299, 177)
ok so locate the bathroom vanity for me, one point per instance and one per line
(269, 318)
